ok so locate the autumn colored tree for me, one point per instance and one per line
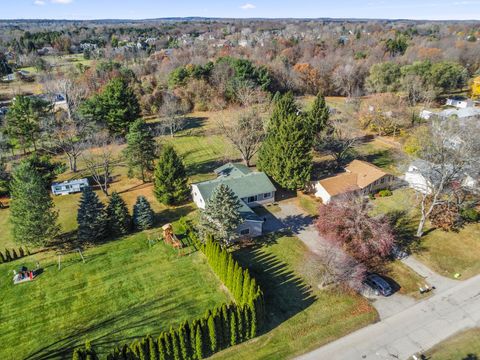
(347, 223)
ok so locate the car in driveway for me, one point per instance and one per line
(378, 284)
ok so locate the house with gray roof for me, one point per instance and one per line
(253, 188)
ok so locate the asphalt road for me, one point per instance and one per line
(413, 330)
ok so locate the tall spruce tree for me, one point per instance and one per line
(221, 216)
(119, 221)
(286, 153)
(32, 211)
(143, 215)
(116, 106)
(91, 217)
(170, 183)
(140, 151)
(318, 115)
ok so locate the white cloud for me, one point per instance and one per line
(247, 6)
(62, 1)
(39, 2)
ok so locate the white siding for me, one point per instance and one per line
(197, 197)
(416, 180)
(321, 193)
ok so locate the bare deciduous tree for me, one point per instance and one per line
(100, 159)
(246, 133)
(337, 140)
(449, 150)
(173, 110)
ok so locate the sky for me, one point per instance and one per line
(147, 9)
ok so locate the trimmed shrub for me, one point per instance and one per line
(470, 215)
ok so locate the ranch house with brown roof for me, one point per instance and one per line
(359, 176)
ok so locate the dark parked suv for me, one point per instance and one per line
(379, 284)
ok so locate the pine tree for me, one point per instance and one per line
(286, 153)
(91, 217)
(116, 106)
(2, 258)
(170, 178)
(152, 348)
(21, 252)
(32, 211)
(253, 320)
(246, 287)
(175, 345)
(233, 328)
(198, 342)
(162, 352)
(212, 333)
(8, 256)
(318, 115)
(140, 151)
(143, 215)
(78, 354)
(240, 325)
(119, 221)
(225, 326)
(184, 340)
(221, 216)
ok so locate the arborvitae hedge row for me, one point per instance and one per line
(12, 254)
(218, 329)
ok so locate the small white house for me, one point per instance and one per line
(415, 178)
(460, 103)
(426, 114)
(69, 187)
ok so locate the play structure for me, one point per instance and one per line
(24, 275)
(170, 238)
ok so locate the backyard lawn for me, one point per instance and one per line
(126, 289)
(447, 253)
(463, 346)
(299, 317)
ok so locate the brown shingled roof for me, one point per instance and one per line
(366, 173)
(359, 174)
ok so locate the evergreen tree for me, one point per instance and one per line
(184, 340)
(170, 178)
(143, 215)
(286, 153)
(119, 221)
(2, 258)
(168, 346)
(78, 354)
(198, 342)
(233, 328)
(318, 115)
(225, 326)
(221, 216)
(21, 252)
(212, 333)
(116, 106)
(162, 352)
(91, 217)
(152, 348)
(140, 151)
(175, 345)
(8, 256)
(14, 254)
(32, 211)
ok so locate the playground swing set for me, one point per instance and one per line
(171, 239)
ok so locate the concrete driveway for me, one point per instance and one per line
(413, 330)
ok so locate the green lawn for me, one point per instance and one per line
(408, 280)
(463, 346)
(124, 290)
(299, 317)
(447, 253)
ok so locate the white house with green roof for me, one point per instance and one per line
(253, 188)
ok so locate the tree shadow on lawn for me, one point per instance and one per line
(285, 293)
(134, 317)
(405, 229)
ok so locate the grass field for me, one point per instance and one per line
(463, 346)
(447, 253)
(408, 280)
(124, 290)
(299, 317)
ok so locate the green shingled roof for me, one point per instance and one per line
(250, 184)
(242, 181)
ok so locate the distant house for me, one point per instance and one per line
(69, 187)
(253, 188)
(426, 114)
(418, 180)
(462, 113)
(359, 177)
(459, 102)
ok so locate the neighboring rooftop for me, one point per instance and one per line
(359, 174)
(243, 181)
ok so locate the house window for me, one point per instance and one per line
(382, 180)
(252, 199)
(245, 231)
(58, 188)
(267, 195)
